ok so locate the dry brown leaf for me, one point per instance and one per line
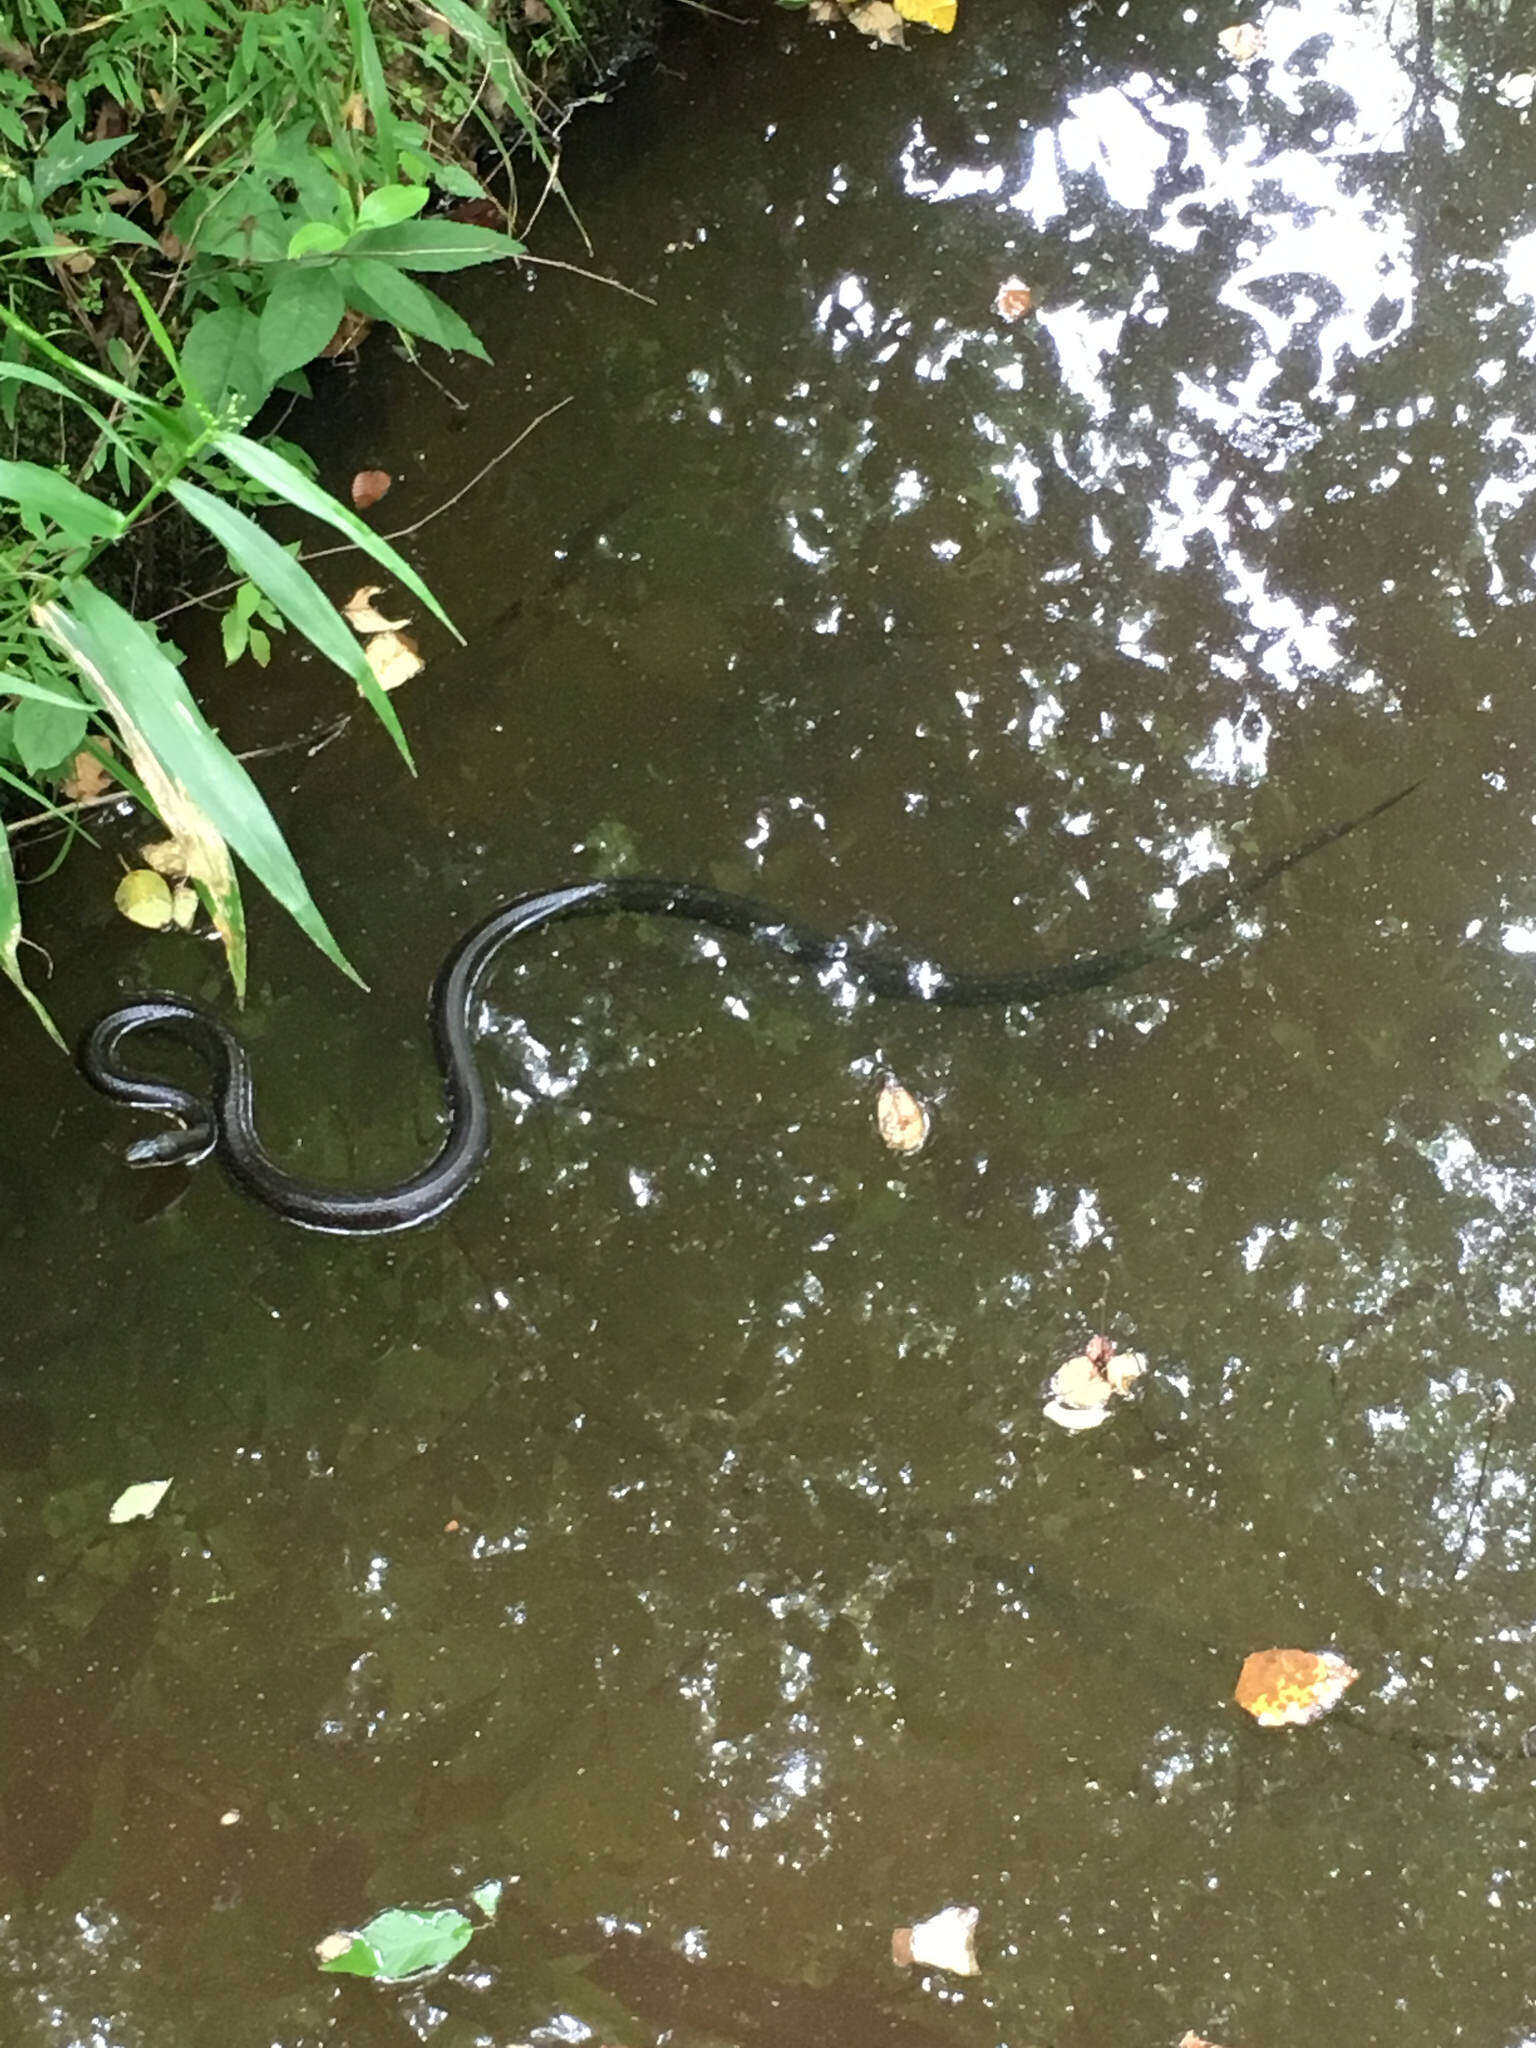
(1197, 2041)
(878, 20)
(167, 857)
(86, 778)
(902, 1119)
(824, 11)
(359, 613)
(393, 659)
(536, 14)
(156, 202)
(368, 486)
(172, 248)
(1289, 1688)
(349, 333)
(354, 111)
(1242, 42)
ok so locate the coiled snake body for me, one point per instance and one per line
(223, 1121)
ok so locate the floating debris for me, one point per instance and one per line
(946, 1942)
(1289, 1688)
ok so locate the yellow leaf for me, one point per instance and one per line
(1242, 42)
(1289, 1688)
(939, 14)
(145, 897)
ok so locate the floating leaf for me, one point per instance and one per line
(902, 1119)
(369, 485)
(939, 14)
(403, 1942)
(1289, 1688)
(1014, 299)
(878, 20)
(1078, 1394)
(946, 1942)
(138, 1502)
(145, 897)
(359, 613)
(393, 659)
(1242, 42)
(487, 1896)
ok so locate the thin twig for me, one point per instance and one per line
(315, 741)
(593, 276)
(1498, 1407)
(348, 547)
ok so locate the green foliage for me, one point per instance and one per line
(197, 200)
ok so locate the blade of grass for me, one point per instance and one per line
(10, 942)
(129, 674)
(266, 467)
(254, 553)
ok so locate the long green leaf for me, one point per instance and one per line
(10, 941)
(264, 466)
(295, 592)
(435, 245)
(121, 660)
(23, 373)
(46, 491)
(370, 71)
(20, 686)
(98, 379)
(387, 293)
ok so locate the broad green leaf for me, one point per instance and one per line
(265, 466)
(66, 159)
(388, 294)
(302, 312)
(254, 553)
(46, 734)
(106, 226)
(391, 204)
(436, 245)
(38, 491)
(10, 940)
(403, 1942)
(128, 672)
(221, 362)
(315, 238)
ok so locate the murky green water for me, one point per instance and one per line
(675, 1532)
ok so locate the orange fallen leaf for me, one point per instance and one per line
(1289, 1688)
(1014, 299)
(368, 486)
(1197, 2041)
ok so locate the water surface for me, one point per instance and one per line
(674, 1532)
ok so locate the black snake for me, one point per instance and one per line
(222, 1121)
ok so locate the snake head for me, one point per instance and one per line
(187, 1145)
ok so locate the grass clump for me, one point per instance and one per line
(197, 201)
